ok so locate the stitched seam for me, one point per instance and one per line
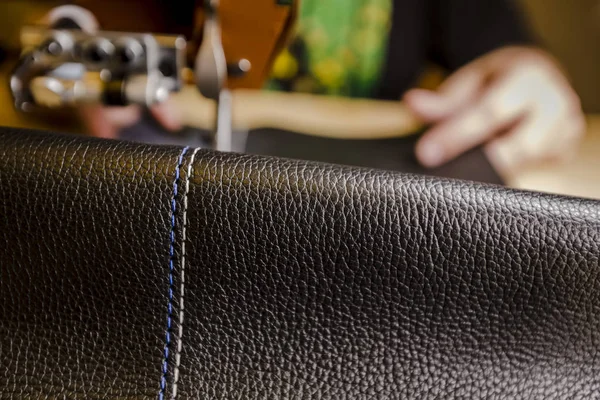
(190, 170)
(165, 363)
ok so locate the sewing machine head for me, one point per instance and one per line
(63, 67)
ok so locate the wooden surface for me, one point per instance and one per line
(339, 118)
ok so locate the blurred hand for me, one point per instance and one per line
(106, 122)
(516, 100)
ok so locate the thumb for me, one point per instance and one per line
(427, 105)
(107, 122)
(455, 94)
(167, 115)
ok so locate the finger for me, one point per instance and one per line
(167, 115)
(456, 93)
(96, 123)
(426, 105)
(511, 151)
(502, 105)
(123, 116)
(107, 122)
(536, 140)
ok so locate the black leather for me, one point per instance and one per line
(302, 280)
(395, 154)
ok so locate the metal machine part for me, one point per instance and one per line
(211, 65)
(223, 140)
(69, 67)
(211, 75)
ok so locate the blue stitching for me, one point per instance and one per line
(163, 379)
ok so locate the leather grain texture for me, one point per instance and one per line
(302, 280)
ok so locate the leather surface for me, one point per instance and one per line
(395, 154)
(302, 280)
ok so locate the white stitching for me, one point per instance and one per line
(182, 288)
(165, 363)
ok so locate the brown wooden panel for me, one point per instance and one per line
(255, 30)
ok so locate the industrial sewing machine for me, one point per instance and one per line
(70, 62)
(213, 77)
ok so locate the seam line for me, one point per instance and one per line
(190, 170)
(165, 363)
